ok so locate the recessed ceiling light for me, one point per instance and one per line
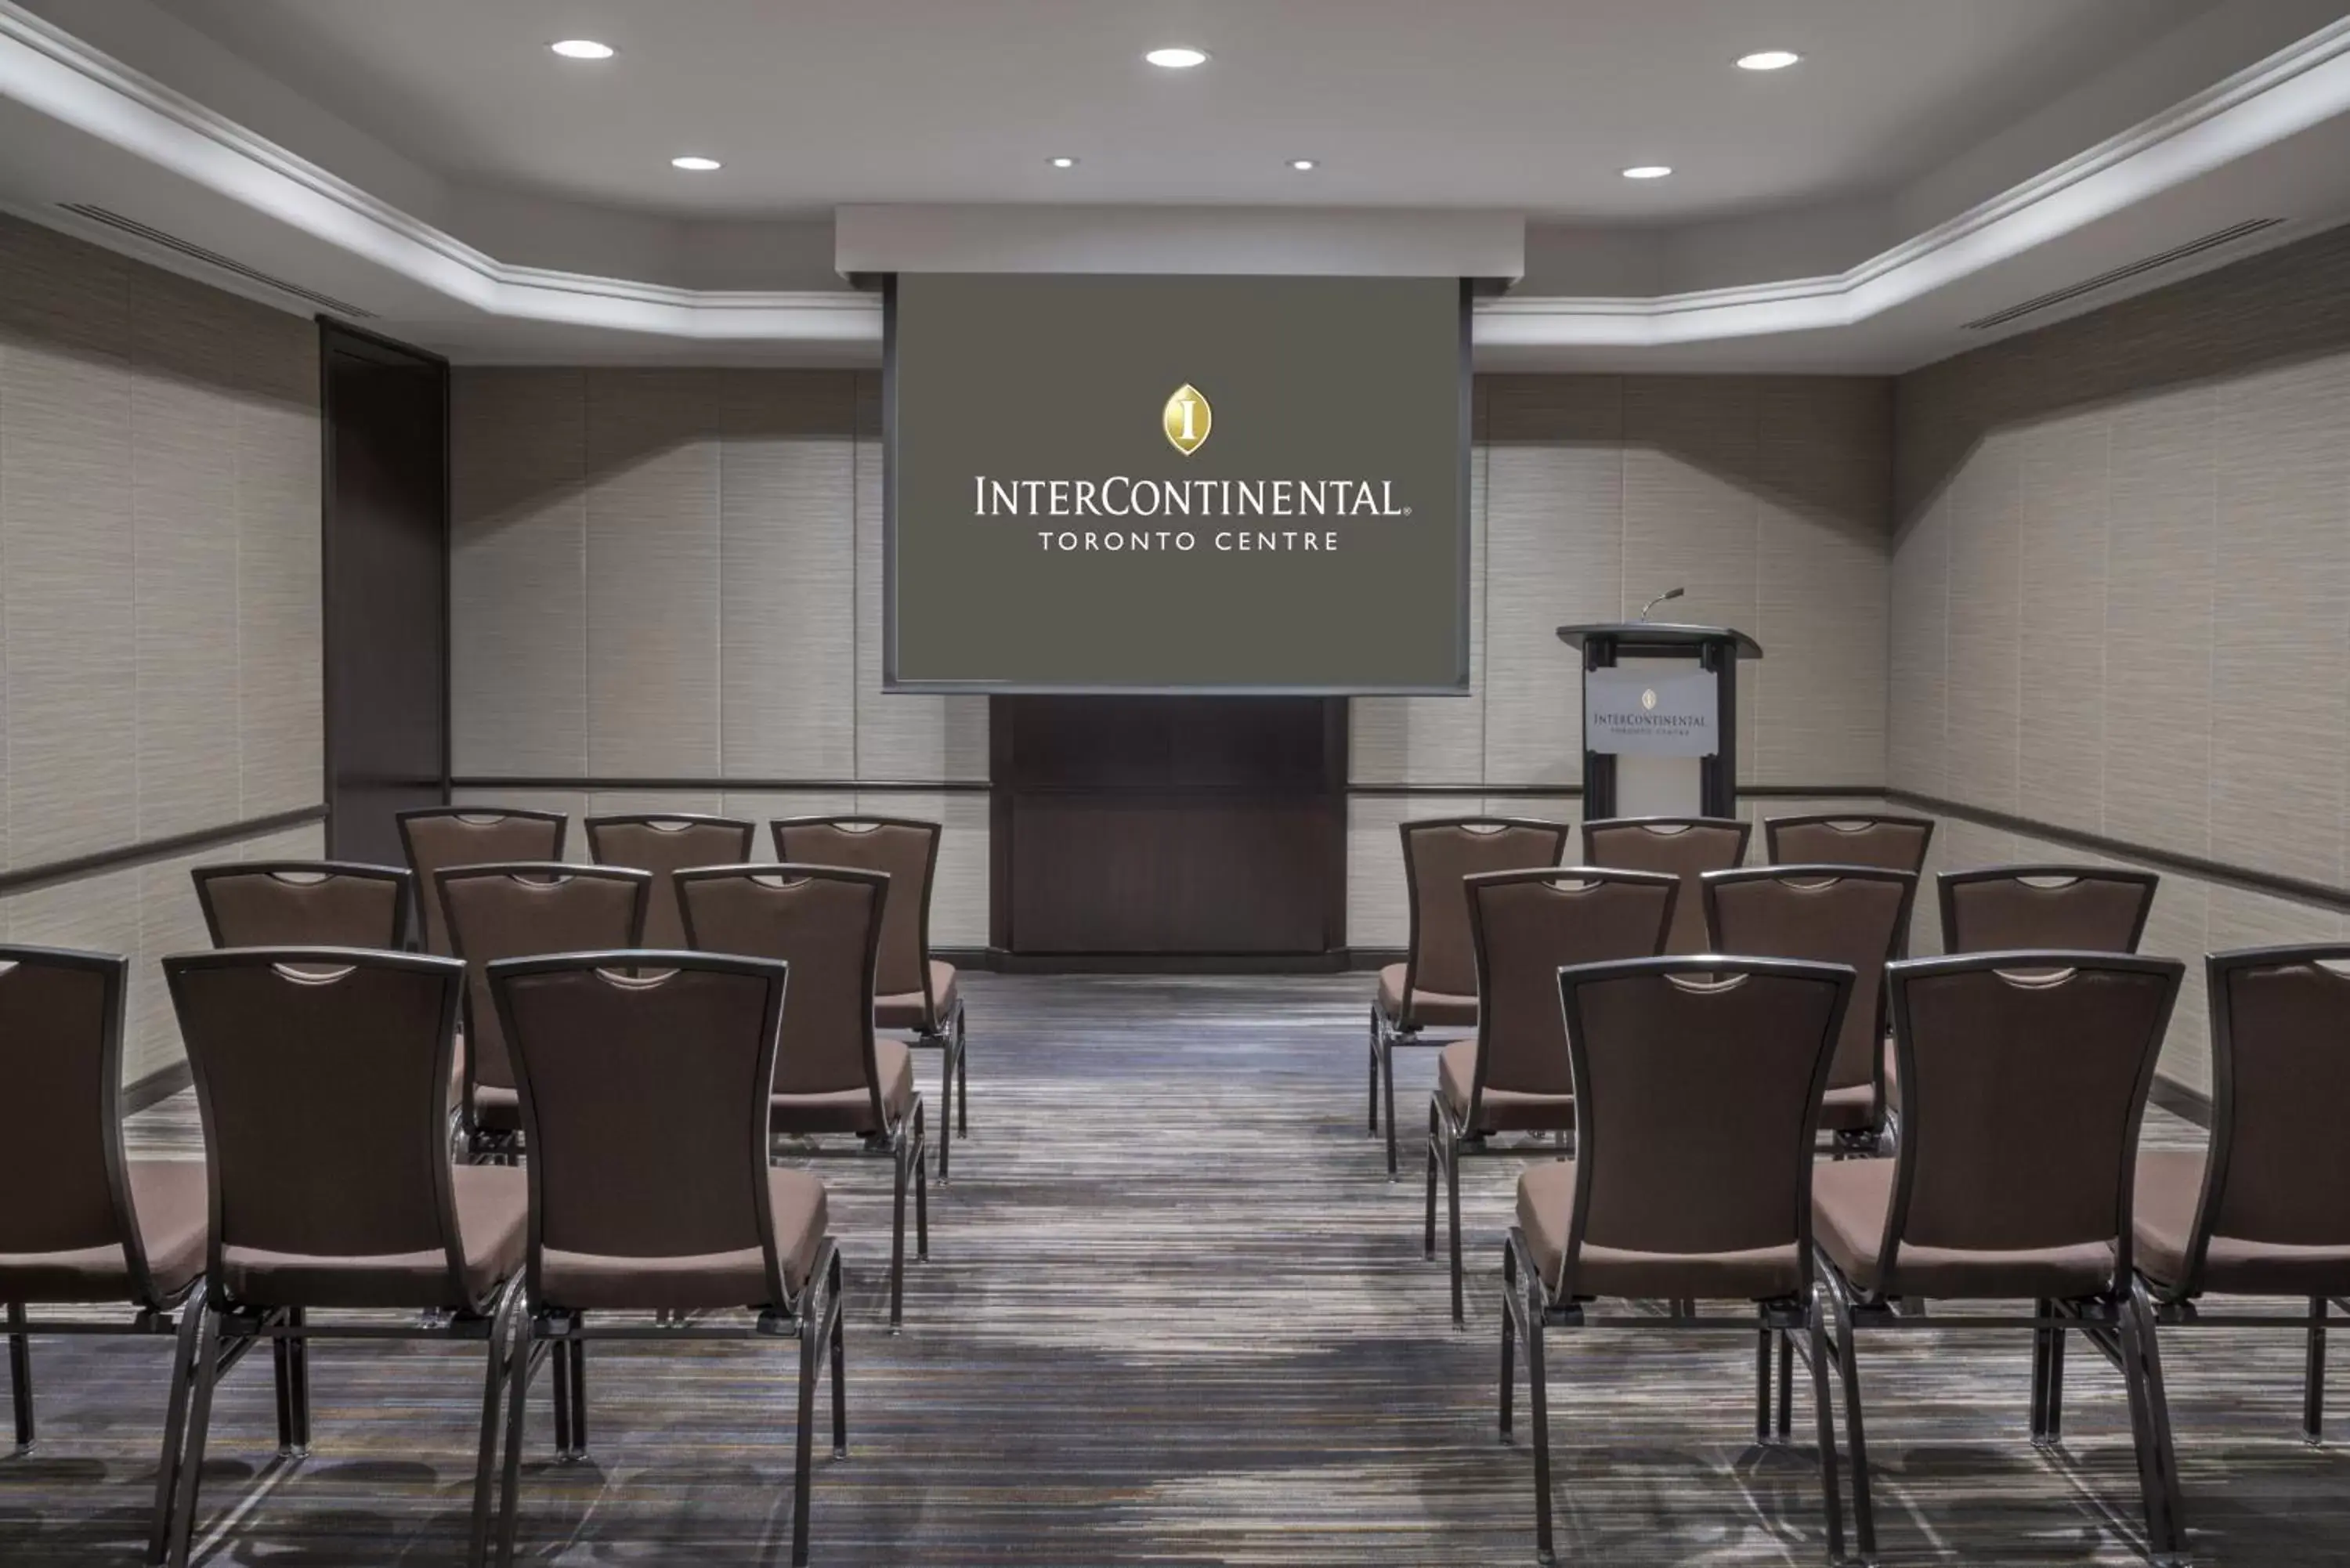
(1768, 60)
(582, 49)
(1647, 171)
(1064, 161)
(1180, 57)
(696, 164)
(1303, 165)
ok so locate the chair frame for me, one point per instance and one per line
(2176, 1307)
(1450, 1140)
(418, 923)
(1948, 882)
(944, 1035)
(1832, 819)
(1843, 1145)
(227, 1329)
(2119, 1321)
(154, 1315)
(502, 1147)
(1529, 1310)
(1388, 1034)
(902, 1141)
(542, 1332)
(402, 877)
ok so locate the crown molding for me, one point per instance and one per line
(56, 74)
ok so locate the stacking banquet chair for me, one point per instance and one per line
(1683, 846)
(665, 845)
(82, 1224)
(833, 1074)
(915, 993)
(2082, 909)
(1847, 914)
(605, 1045)
(1514, 1076)
(1888, 842)
(524, 910)
(304, 903)
(437, 837)
(1697, 1087)
(1430, 998)
(2027, 1075)
(322, 1077)
(2268, 1212)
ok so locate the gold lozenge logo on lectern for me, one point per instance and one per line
(1187, 419)
(1649, 699)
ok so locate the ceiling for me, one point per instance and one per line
(1531, 105)
(431, 166)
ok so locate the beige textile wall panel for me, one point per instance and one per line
(787, 670)
(160, 636)
(2121, 593)
(518, 573)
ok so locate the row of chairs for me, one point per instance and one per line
(327, 1185)
(1699, 1083)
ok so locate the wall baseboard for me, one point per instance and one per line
(157, 1086)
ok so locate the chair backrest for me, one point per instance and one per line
(1697, 1102)
(826, 922)
(304, 903)
(605, 1051)
(1847, 914)
(439, 836)
(665, 845)
(2279, 1170)
(2024, 1079)
(1683, 846)
(904, 849)
(1438, 854)
(2082, 909)
(527, 910)
(61, 1111)
(1837, 838)
(322, 1078)
(1527, 926)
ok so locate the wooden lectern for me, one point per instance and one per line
(1641, 713)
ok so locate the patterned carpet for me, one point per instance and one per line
(1174, 1315)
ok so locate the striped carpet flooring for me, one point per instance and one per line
(1175, 1315)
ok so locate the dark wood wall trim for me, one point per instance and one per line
(763, 786)
(1574, 791)
(157, 1086)
(2317, 895)
(75, 869)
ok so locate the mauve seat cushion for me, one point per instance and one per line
(2169, 1185)
(1545, 1205)
(851, 1110)
(904, 1010)
(171, 1205)
(1426, 1006)
(701, 1282)
(493, 1204)
(1505, 1110)
(1849, 1201)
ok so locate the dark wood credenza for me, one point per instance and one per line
(1172, 827)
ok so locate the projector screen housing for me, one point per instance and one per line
(1133, 483)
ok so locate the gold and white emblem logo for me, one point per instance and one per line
(1649, 699)
(1187, 419)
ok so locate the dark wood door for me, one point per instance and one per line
(387, 604)
(1170, 827)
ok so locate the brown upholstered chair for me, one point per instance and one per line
(1848, 914)
(2267, 1211)
(833, 1074)
(1430, 998)
(914, 992)
(2027, 1077)
(524, 911)
(304, 903)
(437, 837)
(2081, 909)
(1697, 1088)
(1683, 846)
(1513, 1076)
(697, 1222)
(82, 1224)
(322, 1079)
(665, 844)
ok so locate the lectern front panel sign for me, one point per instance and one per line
(1638, 713)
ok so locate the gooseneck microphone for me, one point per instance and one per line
(1661, 598)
